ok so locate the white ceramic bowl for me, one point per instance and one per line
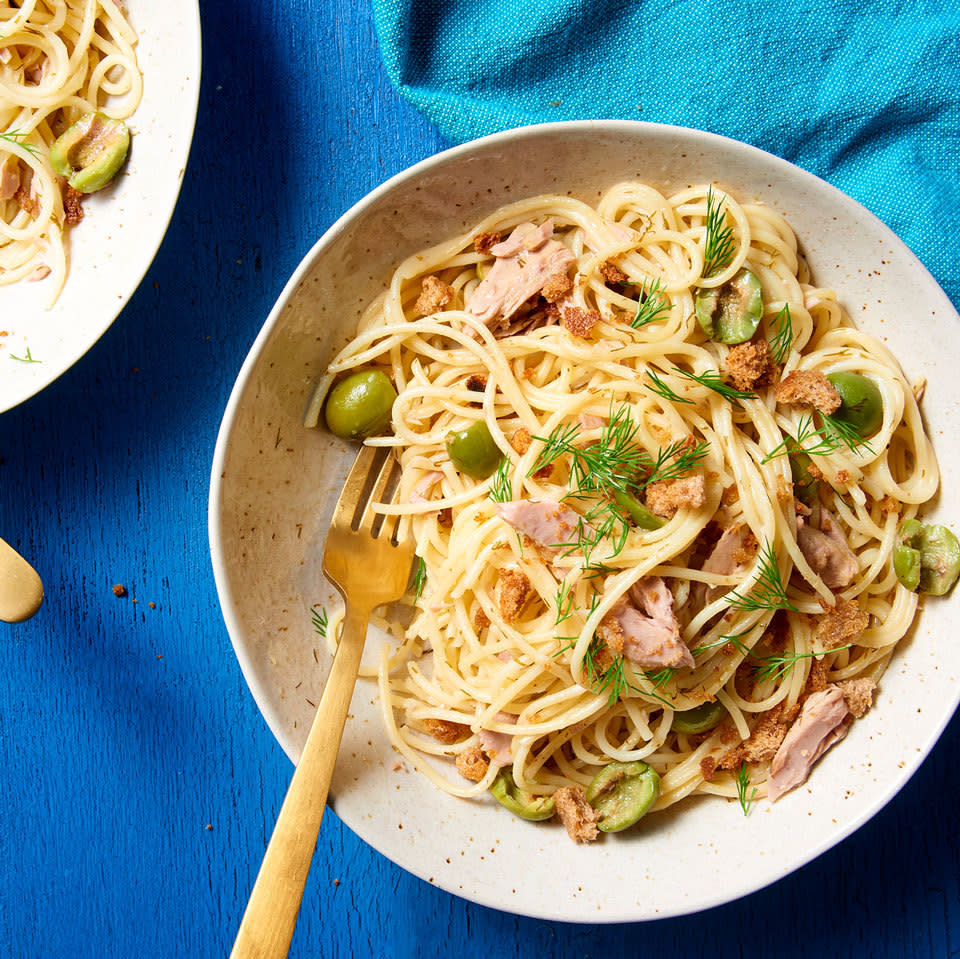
(274, 484)
(112, 249)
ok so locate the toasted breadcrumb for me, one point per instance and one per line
(445, 517)
(858, 694)
(612, 273)
(557, 287)
(434, 295)
(611, 632)
(730, 495)
(480, 619)
(708, 767)
(576, 813)
(30, 205)
(817, 678)
(667, 496)
(808, 389)
(445, 731)
(814, 471)
(120, 590)
(580, 322)
(472, 763)
(72, 204)
(764, 739)
(476, 382)
(484, 242)
(750, 365)
(841, 624)
(520, 441)
(513, 588)
(889, 505)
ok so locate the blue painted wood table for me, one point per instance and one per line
(140, 783)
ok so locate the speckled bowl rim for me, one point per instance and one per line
(737, 887)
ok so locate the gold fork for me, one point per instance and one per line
(369, 562)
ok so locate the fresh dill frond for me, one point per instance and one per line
(568, 642)
(742, 777)
(844, 434)
(419, 577)
(25, 359)
(501, 489)
(769, 591)
(674, 461)
(718, 246)
(564, 602)
(19, 138)
(712, 380)
(781, 340)
(656, 385)
(780, 665)
(653, 304)
(561, 440)
(318, 616)
(734, 640)
(824, 440)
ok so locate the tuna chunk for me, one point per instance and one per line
(826, 549)
(646, 633)
(821, 724)
(9, 178)
(734, 552)
(498, 746)
(525, 261)
(547, 523)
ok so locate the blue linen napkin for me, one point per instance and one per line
(864, 93)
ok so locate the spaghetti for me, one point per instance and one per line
(694, 484)
(59, 60)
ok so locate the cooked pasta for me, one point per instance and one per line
(655, 572)
(59, 60)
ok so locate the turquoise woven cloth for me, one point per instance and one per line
(864, 93)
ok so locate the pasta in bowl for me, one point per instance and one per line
(655, 477)
(275, 482)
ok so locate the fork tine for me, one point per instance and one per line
(369, 521)
(354, 486)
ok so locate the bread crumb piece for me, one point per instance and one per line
(434, 294)
(472, 763)
(484, 242)
(841, 624)
(521, 440)
(750, 365)
(119, 590)
(808, 389)
(612, 273)
(445, 731)
(576, 813)
(858, 694)
(513, 588)
(667, 496)
(580, 322)
(557, 287)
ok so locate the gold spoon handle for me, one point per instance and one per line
(267, 926)
(21, 591)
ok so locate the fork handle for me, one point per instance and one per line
(271, 914)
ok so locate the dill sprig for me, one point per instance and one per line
(19, 138)
(734, 640)
(781, 340)
(318, 616)
(563, 598)
(419, 577)
(742, 778)
(712, 380)
(780, 665)
(674, 461)
(653, 304)
(827, 439)
(656, 385)
(769, 591)
(718, 246)
(25, 359)
(501, 489)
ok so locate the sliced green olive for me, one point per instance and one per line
(473, 451)
(731, 313)
(638, 513)
(700, 719)
(862, 404)
(90, 153)
(519, 801)
(805, 487)
(926, 556)
(622, 793)
(360, 405)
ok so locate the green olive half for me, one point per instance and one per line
(926, 556)
(622, 793)
(700, 719)
(473, 451)
(731, 313)
(90, 153)
(360, 405)
(638, 513)
(805, 487)
(519, 801)
(862, 404)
